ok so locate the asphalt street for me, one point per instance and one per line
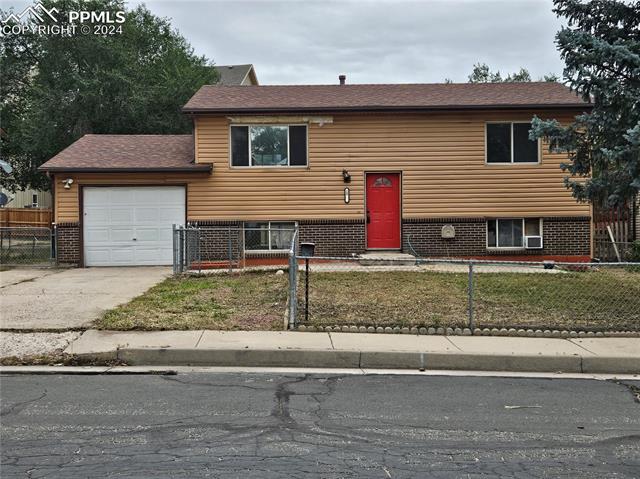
(332, 426)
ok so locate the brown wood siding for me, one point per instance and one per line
(441, 157)
(68, 202)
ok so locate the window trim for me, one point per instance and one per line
(269, 250)
(486, 143)
(509, 248)
(249, 125)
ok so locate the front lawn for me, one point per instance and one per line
(240, 301)
(599, 300)
(608, 299)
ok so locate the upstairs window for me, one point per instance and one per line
(269, 145)
(510, 143)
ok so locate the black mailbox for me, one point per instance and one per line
(307, 249)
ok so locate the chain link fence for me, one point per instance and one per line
(199, 248)
(435, 293)
(26, 245)
(411, 292)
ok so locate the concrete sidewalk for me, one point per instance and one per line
(346, 350)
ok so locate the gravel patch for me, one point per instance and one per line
(30, 344)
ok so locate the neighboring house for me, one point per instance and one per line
(27, 198)
(237, 75)
(355, 167)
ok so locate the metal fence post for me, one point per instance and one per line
(54, 239)
(175, 255)
(229, 250)
(293, 282)
(470, 297)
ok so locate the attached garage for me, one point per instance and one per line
(117, 197)
(127, 226)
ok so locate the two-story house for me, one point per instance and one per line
(354, 167)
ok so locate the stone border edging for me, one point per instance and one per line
(513, 332)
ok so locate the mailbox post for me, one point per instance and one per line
(307, 251)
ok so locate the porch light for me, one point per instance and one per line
(347, 195)
(346, 177)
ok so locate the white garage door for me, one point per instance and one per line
(131, 225)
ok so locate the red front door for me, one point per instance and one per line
(383, 210)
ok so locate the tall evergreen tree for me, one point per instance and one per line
(601, 49)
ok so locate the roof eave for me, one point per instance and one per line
(203, 168)
(560, 106)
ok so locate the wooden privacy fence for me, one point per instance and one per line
(614, 231)
(12, 217)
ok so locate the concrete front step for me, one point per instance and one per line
(386, 258)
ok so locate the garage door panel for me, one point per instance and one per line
(124, 235)
(99, 198)
(126, 196)
(98, 215)
(97, 235)
(131, 225)
(123, 255)
(172, 214)
(148, 234)
(121, 215)
(166, 237)
(149, 215)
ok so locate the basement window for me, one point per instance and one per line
(510, 143)
(510, 233)
(268, 145)
(268, 235)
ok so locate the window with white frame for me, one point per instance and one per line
(268, 145)
(268, 235)
(34, 200)
(510, 232)
(510, 143)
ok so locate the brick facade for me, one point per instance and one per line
(334, 237)
(217, 237)
(424, 237)
(68, 243)
(566, 236)
(561, 237)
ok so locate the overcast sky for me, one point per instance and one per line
(313, 41)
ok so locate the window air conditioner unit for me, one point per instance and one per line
(533, 242)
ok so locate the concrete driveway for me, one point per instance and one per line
(69, 298)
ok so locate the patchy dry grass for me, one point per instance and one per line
(598, 300)
(248, 301)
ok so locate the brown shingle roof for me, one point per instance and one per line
(435, 96)
(127, 153)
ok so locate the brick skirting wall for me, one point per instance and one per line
(567, 236)
(217, 236)
(333, 237)
(561, 237)
(68, 243)
(425, 237)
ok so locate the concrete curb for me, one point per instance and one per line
(332, 359)
(304, 358)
